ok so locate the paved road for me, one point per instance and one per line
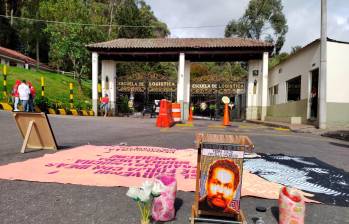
(32, 202)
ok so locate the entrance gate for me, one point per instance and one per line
(144, 89)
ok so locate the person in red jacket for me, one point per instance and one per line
(31, 97)
(15, 94)
(105, 105)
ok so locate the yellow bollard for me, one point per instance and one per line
(42, 86)
(99, 88)
(71, 96)
(5, 81)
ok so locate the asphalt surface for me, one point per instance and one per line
(34, 202)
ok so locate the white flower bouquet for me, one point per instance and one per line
(144, 197)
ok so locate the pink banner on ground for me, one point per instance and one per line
(124, 166)
(107, 166)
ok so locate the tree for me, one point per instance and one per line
(295, 49)
(67, 40)
(277, 59)
(31, 32)
(8, 35)
(138, 21)
(262, 18)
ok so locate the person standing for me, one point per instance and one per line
(15, 95)
(24, 92)
(105, 105)
(31, 97)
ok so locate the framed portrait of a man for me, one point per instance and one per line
(220, 179)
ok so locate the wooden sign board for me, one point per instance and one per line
(219, 176)
(36, 131)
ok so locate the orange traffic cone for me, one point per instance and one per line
(190, 119)
(226, 121)
(165, 119)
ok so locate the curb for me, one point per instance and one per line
(271, 124)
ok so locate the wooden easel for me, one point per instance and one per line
(196, 216)
(206, 216)
(36, 131)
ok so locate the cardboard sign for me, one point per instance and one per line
(36, 131)
(220, 178)
(219, 174)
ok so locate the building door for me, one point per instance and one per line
(314, 94)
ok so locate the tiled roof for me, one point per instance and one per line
(19, 56)
(157, 43)
(16, 55)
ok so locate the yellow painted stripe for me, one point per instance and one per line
(281, 129)
(216, 126)
(184, 125)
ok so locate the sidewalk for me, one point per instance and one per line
(341, 133)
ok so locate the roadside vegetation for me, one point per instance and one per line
(56, 88)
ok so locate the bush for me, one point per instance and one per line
(124, 105)
(42, 102)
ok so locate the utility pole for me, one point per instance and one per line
(323, 67)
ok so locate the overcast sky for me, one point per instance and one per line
(303, 18)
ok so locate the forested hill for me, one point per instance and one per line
(73, 24)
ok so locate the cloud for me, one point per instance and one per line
(196, 13)
(303, 18)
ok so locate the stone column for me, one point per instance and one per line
(252, 89)
(186, 104)
(183, 86)
(95, 82)
(264, 92)
(109, 70)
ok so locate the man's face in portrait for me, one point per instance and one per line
(221, 185)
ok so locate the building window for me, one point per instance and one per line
(294, 89)
(276, 89)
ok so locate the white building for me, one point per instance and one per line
(293, 86)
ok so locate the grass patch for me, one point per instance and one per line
(56, 85)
